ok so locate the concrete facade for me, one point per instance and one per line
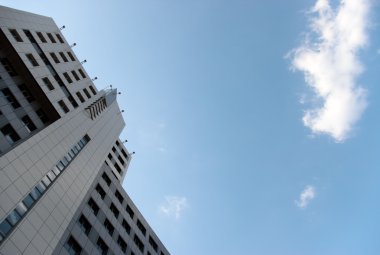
(58, 135)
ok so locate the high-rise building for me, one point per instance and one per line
(61, 160)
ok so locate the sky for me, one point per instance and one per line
(255, 123)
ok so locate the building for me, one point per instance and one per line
(61, 160)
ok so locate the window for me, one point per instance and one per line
(42, 115)
(107, 225)
(130, 211)
(106, 179)
(28, 201)
(42, 38)
(28, 124)
(153, 243)
(138, 242)
(141, 227)
(67, 77)
(44, 58)
(122, 244)
(79, 95)
(100, 191)
(58, 80)
(72, 246)
(119, 196)
(93, 206)
(26, 92)
(92, 90)
(102, 247)
(116, 165)
(8, 67)
(86, 93)
(59, 38)
(71, 56)
(63, 106)
(84, 224)
(10, 134)
(121, 160)
(75, 75)
(15, 35)
(72, 101)
(10, 98)
(82, 73)
(63, 57)
(30, 36)
(54, 57)
(51, 37)
(114, 210)
(32, 60)
(124, 154)
(48, 83)
(126, 226)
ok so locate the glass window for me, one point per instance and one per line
(5, 227)
(48, 83)
(60, 166)
(51, 175)
(84, 224)
(75, 75)
(59, 38)
(51, 38)
(46, 181)
(54, 57)
(79, 95)
(15, 35)
(13, 217)
(28, 124)
(28, 201)
(35, 193)
(41, 187)
(72, 246)
(26, 92)
(114, 210)
(32, 60)
(63, 56)
(10, 98)
(71, 56)
(8, 67)
(82, 73)
(42, 38)
(21, 208)
(63, 106)
(10, 134)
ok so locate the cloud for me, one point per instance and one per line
(329, 60)
(173, 206)
(306, 196)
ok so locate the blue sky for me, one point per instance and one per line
(255, 123)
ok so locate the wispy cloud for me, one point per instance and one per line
(306, 196)
(329, 60)
(173, 206)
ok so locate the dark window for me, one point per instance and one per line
(63, 57)
(114, 210)
(42, 38)
(29, 125)
(8, 66)
(63, 106)
(51, 37)
(116, 165)
(126, 226)
(141, 227)
(54, 57)
(15, 35)
(139, 243)
(92, 90)
(67, 76)
(10, 98)
(122, 244)
(72, 101)
(82, 73)
(153, 243)
(84, 224)
(26, 92)
(58, 80)
(42, 115)
(114, 149)
(71, 56)
(28, 201)
(100, 191)
(75, 75)
(44, 58)
(117, 143)
(10, 134)
(107, 224)
(79, 95)
(72, 246)
(5, 227)
(93, 206)
(121, 160)
(32, 60)
(86, 93)
(130, 211)
(119, 196)
(124, 154)
(59, 38)
(102, 246)
(48, 83)
(106, 179)
(30, 36)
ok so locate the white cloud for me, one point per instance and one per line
(329, 60)
(173, 206)
(306, 196)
